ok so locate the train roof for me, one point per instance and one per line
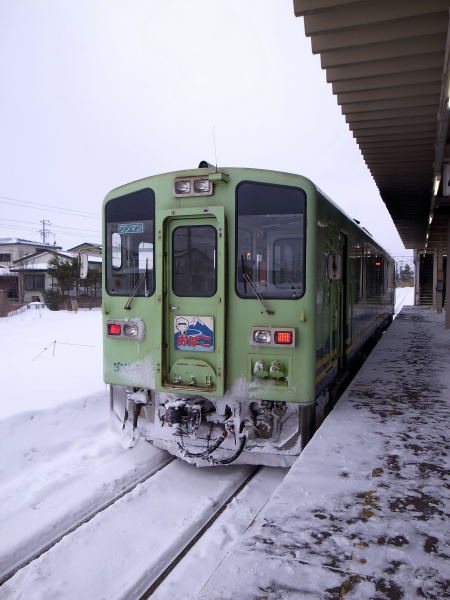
(213, 169)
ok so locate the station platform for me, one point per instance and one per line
(364, 511)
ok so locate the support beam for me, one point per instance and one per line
(439, 278)
(447, 280)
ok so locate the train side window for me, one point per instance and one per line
(374, 276)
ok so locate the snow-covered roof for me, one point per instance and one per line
(33, 267)
(87, 246)
(27, 262)
(51, 251)
(9, 241)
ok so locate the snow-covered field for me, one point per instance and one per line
(59, 461)
(49, 358)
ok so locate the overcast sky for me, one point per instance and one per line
(97, 93)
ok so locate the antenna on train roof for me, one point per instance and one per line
(215, 146)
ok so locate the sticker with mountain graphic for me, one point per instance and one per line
(194, 333)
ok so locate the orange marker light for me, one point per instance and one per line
(283, 337)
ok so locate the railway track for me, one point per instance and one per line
(160, 539)
(30, 551)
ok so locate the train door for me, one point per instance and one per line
(194, 269)
(345, 305)
(338, 316)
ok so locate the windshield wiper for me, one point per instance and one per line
(247, 279)
(142, 277)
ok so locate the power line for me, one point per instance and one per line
(50, 207)
(97, 231)
(75, 234)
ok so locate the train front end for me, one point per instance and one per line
(208, 322)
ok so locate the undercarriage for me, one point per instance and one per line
(210, 431)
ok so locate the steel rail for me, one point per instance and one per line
(81, 520)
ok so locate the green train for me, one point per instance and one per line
(234, 302)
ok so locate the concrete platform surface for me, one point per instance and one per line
(363, 513)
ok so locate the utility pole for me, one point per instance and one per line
(44, 232)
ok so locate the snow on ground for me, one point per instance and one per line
(59, 461)
(38, 373)
(58, 458)
(122, 549)
(403, 297)
(363, 513)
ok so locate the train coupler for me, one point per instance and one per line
(185, 414)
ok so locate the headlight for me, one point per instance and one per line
(202, 186)
(182, 187)
(262, 336)
(193, 186)
(130, 330)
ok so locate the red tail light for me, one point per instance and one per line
(114, 329)
(283, 337)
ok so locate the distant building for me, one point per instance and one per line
(11, 249)
(24, 272)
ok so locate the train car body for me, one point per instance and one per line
(234, 300)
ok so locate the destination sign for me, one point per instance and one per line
(131, 228)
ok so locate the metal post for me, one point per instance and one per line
(435, 270)
(439, 277)
(447, 280)
(416, 277)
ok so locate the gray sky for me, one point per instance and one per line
(97, 93)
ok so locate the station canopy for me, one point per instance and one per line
(388, 63)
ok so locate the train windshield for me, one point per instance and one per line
(129, 244)
(270, 241)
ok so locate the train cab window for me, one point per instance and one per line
(129, 244)
(194, 261)
(270, 247)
